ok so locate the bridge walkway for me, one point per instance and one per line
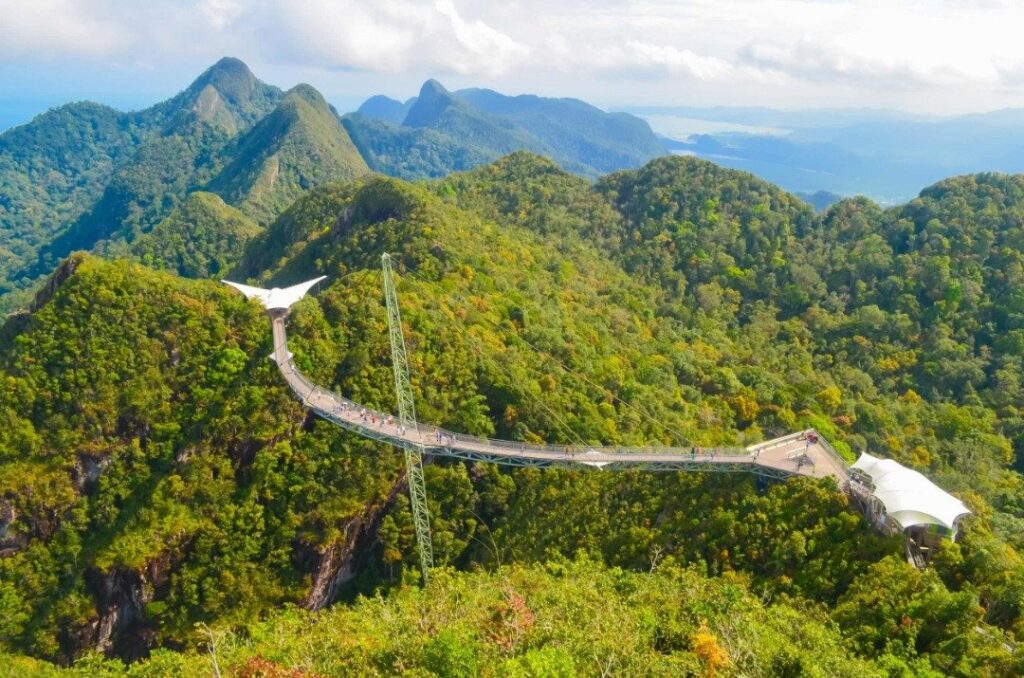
(803, 453)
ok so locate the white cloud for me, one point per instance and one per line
(51, 29)
(669, 59)
(903, 47)
(221, 13)
(859, 51)
(389, 37)
(480, 41)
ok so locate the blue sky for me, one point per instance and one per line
(924, 56)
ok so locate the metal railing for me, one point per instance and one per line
(437, 437)
(831, 451)
(384, 426)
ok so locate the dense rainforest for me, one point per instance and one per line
(165, 499)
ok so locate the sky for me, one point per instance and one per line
(924, 56)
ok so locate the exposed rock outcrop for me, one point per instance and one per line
(10, 540)
(338, 563)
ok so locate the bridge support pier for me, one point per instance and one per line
(761, 483)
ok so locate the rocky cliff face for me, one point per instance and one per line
(10, 542)
(339, 563)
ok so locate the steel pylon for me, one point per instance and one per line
(407, 418)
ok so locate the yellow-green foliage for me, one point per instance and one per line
(570, 618)
(679, 304)
(200, 239)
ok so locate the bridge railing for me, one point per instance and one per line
(777, 442)
(433, 436)
(831, 451)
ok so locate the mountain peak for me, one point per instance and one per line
(230, 77)
(433, 101)
(300, 144)
(226, 95)
(434, 87)
(386, 108)
(307, 93)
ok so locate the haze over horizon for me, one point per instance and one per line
(923, 57)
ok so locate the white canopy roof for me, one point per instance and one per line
(909, 497)
(276, 298)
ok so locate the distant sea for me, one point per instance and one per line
(682, 128)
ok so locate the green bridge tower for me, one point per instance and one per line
(407, 419)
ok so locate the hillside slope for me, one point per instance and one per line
(52, 170)
(513, 622)
(301, 144)
(200, 239)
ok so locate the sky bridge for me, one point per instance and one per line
(803, 453)
(893, 499)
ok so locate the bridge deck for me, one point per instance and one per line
(782, 457)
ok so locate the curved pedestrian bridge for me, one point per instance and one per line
(804, 453)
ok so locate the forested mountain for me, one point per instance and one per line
(51, 171)
(820, 200)
(386, 109)
(439, 132)
(199, 239)
(299, 145)
(85, 177)
(81, 172)
(606, 141)
(156, 474)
